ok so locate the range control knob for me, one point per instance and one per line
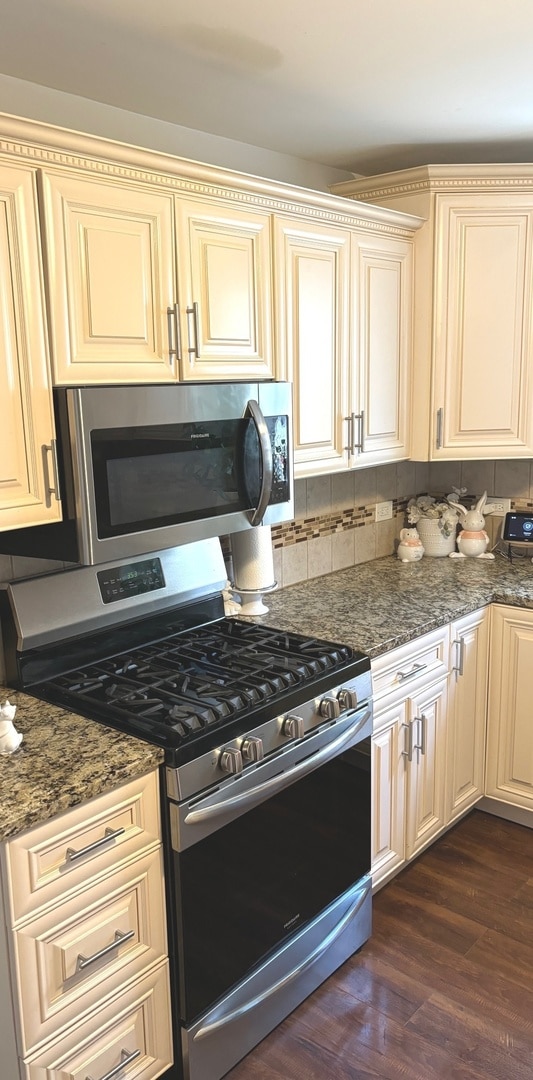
(252, 748)
(329, 708)
(293, 727)
(230, 760)
(347, 699)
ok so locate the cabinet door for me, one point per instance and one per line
(425, 773)
(382, 272)
(312, 336)
(225, 292)
(483, 387)
(111, 276)
(509, 734)
(467, 705)
(27, 495)
(388, 793)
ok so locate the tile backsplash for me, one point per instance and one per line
(334, 523)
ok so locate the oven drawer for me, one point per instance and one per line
(135, 1025)
(419, 662)
(69, 959)
(73, 850)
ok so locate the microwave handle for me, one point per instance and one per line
(265, 450)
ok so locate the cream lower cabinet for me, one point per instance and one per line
(84, 942)
(408, 751)
(509, 764)
(28, 485)
(467, 711)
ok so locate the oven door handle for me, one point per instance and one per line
(265, 451)
(279, 782)
(321, 948)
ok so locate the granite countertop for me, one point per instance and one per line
(379, 605)
(65, 759)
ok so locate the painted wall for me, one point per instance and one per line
(20, 98)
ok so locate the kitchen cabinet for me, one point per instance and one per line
(408, 751)
(28, 483)
(312, 275)
(111, 277)
(225, 291)
(343, 316)
(473, 297)
(509, 762)
(467, 712)
(120, 312)
(84, 940)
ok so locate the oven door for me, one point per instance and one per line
(241, 891)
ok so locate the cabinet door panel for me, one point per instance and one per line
(388, 794)
(484, 337)
(111, 274)
(510, 743)
(425, 776)
(382, 270)
(27, 427)
(467, 703)
(225, 292)
(312, 267)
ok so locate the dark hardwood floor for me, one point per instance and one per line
(444, 988)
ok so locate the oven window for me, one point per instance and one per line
(157, 476)
(246, 888)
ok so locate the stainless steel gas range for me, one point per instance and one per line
(266, 780)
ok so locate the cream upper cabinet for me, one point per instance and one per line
(312, 266)
(110, 264)
(27, 479)
(509, 766)
(382, 293)
(225, 291)
(473, 346)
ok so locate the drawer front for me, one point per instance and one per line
(74, 849)
(133, 1028)
(72, 957)
(417, 663)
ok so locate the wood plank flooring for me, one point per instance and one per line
(444, 988)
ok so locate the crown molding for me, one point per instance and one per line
(440, 179)
(58, 148)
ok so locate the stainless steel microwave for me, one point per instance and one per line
(147, 467)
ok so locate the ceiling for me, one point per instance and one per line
(363, 87)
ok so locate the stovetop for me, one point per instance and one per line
(183, 691)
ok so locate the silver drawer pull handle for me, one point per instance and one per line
(120, 938)
(125, 1059)
(110, 834)
(460, 642)
(402, 675)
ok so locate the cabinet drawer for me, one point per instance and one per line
(76, 848)
(418, 662)
(73, 956)
(134, 1025)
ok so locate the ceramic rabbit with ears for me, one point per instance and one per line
(472, 541)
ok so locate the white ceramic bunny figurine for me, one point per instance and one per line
(10, 738)
(472, 540)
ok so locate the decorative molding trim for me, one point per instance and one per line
(59, 148)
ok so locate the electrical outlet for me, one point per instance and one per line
(500, 507)
(384, 511)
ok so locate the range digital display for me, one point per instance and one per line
(131, 580)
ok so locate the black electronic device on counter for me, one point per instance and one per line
(518, 527)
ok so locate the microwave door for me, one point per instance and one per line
(265, 462)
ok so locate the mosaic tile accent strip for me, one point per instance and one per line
(353, 517)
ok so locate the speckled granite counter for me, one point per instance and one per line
(379, 605)
(376, 606)
(62, 761)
